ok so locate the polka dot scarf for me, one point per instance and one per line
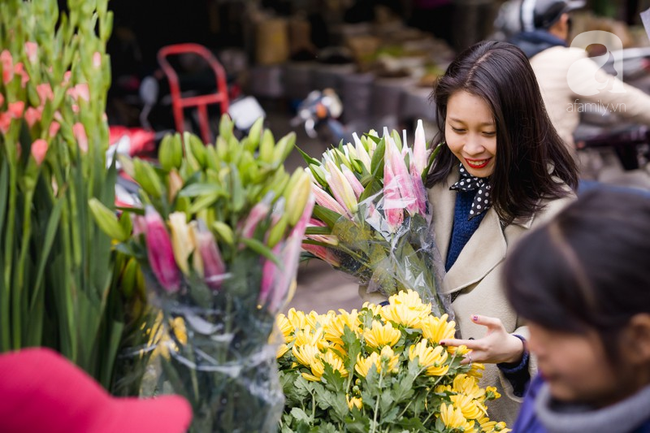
(482, 199)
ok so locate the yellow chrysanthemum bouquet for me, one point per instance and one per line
(380, 369)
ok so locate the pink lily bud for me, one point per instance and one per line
(420, 190)
(341, 188)
(44, 92)
(402, 176)
(420, 149)
(393, 207)
(39, 150)
(54, 128)
(31, 48)
(256, 215)
(354, 182)
(5, 122)
(160, 252)
(326, 200)
(181, 242)
(290, 259)
(32, 115)
(325, 254)
(139, 225)
(269, 275)
(362, 153)
(214, 268)
(97, 59)
(16, 109)
(20, 70)
(7, 66)
(80, 135)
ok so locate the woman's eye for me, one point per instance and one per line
(490, 134)
(457, 130)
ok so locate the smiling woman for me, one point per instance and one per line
(501, 171)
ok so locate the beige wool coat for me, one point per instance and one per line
(476, 277)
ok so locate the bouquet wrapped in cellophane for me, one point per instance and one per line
(381, 369)
(372, 217)
(219, 243)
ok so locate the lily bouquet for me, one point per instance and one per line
(377, 370)
(372, 217)
(219, 242)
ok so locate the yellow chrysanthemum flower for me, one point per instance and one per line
(335, 327)
(354, 401)
(313, 318)
(493, 390)
(401, 314)
(411, 300)
(285, 327)
(387, 355)
(296, 319)
(306, 355)
(282, 349)
(433, 359)
(472, 409)
(453, 418)
(376, 309)
(442, 388)
(335, 362)
(468, 385)
(488, 426)
(476, 370)
(381, 335)
(437, 329)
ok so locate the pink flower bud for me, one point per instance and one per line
(39, 150)
(16, 109)
(97, 60)
(80, 134)
(326, 200)
(256, 215)
(159, 250)
(66, 78)
(139, 225)
(32, 115)
(79, 91)
(7, 62)
(54, 128)
(31, 48)
(44, 92)
(325, 254)
(2, 99)
(214, 268)
(20, 70)
(357, 187)
(5, 122)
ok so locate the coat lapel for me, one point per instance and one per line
(486, 248)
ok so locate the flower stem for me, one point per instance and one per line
(8, 258)
(374, 419)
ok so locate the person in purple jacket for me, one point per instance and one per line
(582, 283)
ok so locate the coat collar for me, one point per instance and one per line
(486, 248)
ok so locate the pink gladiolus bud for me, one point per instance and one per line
(15, 109)
(31, 48)
(159, 250)
(75, 108)
(214, 268)
(326, 200)
(32, 115)
(79, 91)
(354, 182)
(44, 92)
(80, 134)
(7, 62)
(39, 150)
(97, 60)
(420, 149)
(2, 99)
(54, 128)
(256, 215)
(5, 122)
(325, 254)
(58, 116)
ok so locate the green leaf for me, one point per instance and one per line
(327, 216)
(308, 159)
(197, 189)
(261, 249)
(300, 415)
(318, 231)
(377, 161)
(203, 202)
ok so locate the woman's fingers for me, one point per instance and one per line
(489, 322)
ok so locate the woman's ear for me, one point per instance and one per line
(638, 338)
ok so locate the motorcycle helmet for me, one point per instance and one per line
(542, 14)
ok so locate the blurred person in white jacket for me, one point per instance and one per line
(570, 81)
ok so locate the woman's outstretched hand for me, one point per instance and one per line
(497, 346)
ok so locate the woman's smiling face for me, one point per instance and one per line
(471, 134)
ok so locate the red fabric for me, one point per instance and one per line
(41, 391)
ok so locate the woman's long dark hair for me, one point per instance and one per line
(587, 268)
(527, 143)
